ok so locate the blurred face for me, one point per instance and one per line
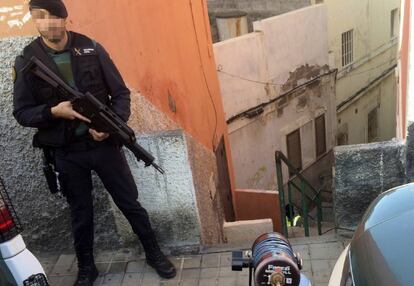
(50, 27)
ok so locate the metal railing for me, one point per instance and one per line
(309, 195)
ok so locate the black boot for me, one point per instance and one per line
(157, 260)
(88, 272)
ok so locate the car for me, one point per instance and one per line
(18, 266)
(381, 250)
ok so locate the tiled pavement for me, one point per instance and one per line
(127, 268)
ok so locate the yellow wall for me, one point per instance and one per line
(374, 52)
(354, 119)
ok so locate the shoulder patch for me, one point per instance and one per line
(84, 51)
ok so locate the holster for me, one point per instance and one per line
(49, 170)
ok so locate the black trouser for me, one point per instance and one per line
(109, 162)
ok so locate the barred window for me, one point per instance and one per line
(347, 47)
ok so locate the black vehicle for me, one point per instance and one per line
(382, 248)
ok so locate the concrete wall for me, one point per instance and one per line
(274, 54)
(374, 53)
(409, 169)
(362, 172)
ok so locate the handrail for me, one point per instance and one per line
(293, 169)
(319, 191)
(279, 158)
(307, 167)
(298, 188)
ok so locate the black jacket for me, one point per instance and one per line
(93, 71)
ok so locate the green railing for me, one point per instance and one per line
(309, 195)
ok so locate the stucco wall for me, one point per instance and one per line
(374, 52)
(407, 47)
(362, 172)
(270, 55)
(274, 54)
(353, 120)
(288, 43)
(402, 77)
(15, 19)
(164, 51)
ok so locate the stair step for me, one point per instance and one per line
(297, 231)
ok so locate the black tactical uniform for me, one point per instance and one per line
(76, 153)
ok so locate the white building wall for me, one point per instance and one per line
(257, 68)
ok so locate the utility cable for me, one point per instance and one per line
(214, 139)
(220, 70)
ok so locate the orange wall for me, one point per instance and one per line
(258, 204)
(404, 61)
(14, 20)
(160, 51)
(162, 48)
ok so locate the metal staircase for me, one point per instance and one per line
(310, 198)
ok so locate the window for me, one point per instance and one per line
(347, 47)
(294, 150)
(320, 135)
(373, 125)
(395, 23)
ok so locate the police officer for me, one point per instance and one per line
(86, 66)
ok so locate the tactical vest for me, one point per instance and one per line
(88, 76)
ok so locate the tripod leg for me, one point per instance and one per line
(250, 276)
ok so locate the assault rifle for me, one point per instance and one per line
(103, 119)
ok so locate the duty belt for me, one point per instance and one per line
(81, 146)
